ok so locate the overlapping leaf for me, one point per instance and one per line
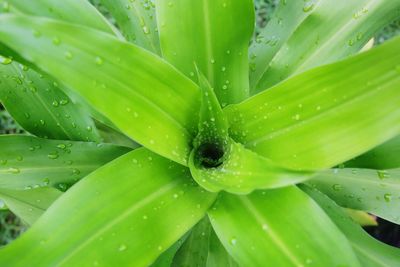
(305, 34)
(327, 115)
(28, 162)
(41, 108)
(370, 252)
(154, 202)
(152, 102)
(282, 227)
(137, 21)
(206, 32)
(377, 192)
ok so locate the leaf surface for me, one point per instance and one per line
(29, 205)
(282, 227)
(29, 162)
(154, 202)
(363, 189)
(370, 251)
(41, 108)
(206, 32)
(325, 116)
(152, 102)
(137, 21)
(306, 34)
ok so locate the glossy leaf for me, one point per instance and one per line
(306, 34)
(29, 205)
(137, 21)
(166, 258)
(325, 116)
(27, 162)
(41, 108)
(243, 171)
(377, 192)
(385, 156)
(282, 227)
(206, 32)
(80, 12)
(113, 72)
(370, 252)
(148, 193)
(202, 248)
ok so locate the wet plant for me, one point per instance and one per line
(165, 139)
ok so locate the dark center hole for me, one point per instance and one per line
(210, 155)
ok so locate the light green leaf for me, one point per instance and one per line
(207, 32)
(327, 115)
(385, 156)
(242, 171)
(137, 21)
(156, 104)
(370, 252)
(303, 35)
(80, 12)
(377, 192)
(41, 108)
(202, 249)
(154, 202)
(27, 162)
(29, 205)
(282, 227)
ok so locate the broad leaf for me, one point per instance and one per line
(282, 227)
(28, 162)
(327, 115)
(202, 248)
(154, 202)
(166, 258)
(29, 205)
(41, 108)
(370, 252)
(363, 189)
(206, 32)
(385, 156)
(156, 103)
(305, 34)
(80, 12)
(137, 21)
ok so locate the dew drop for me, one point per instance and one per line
(122, 247)
(5, 60)
(337, 187)
(387, 197)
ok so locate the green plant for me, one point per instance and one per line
(233, 171)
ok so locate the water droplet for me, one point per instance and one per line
(382, 174)
(308, 6)
(99, 61)
(3, 161)
(5, 60)
(13, 170)
(56, 41)
(55, 103)
(337, 187)
(387, 197)
(53, 155)
(265, 227)
(63, 102)
(233, 241)
(37, 33)
(68, 55)
(122, 247)
(351, 42)
(20, 158)
(46, 181)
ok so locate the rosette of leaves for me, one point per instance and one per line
(239, 146)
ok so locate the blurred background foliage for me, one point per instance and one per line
(11, 227)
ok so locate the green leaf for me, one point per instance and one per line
(282, 227)
(243, 171)
(303, 35)
(80, 12)
(29, 162)
(369, 190)
(137, 21)
(166, 258)
(327, 115)
(113, 72)
(29, 205)
(361, 217)
(154, 202)
(202, 249)
(113, 136)
(41, 108)
(207, 32)
(385, 156)
(370, 252)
